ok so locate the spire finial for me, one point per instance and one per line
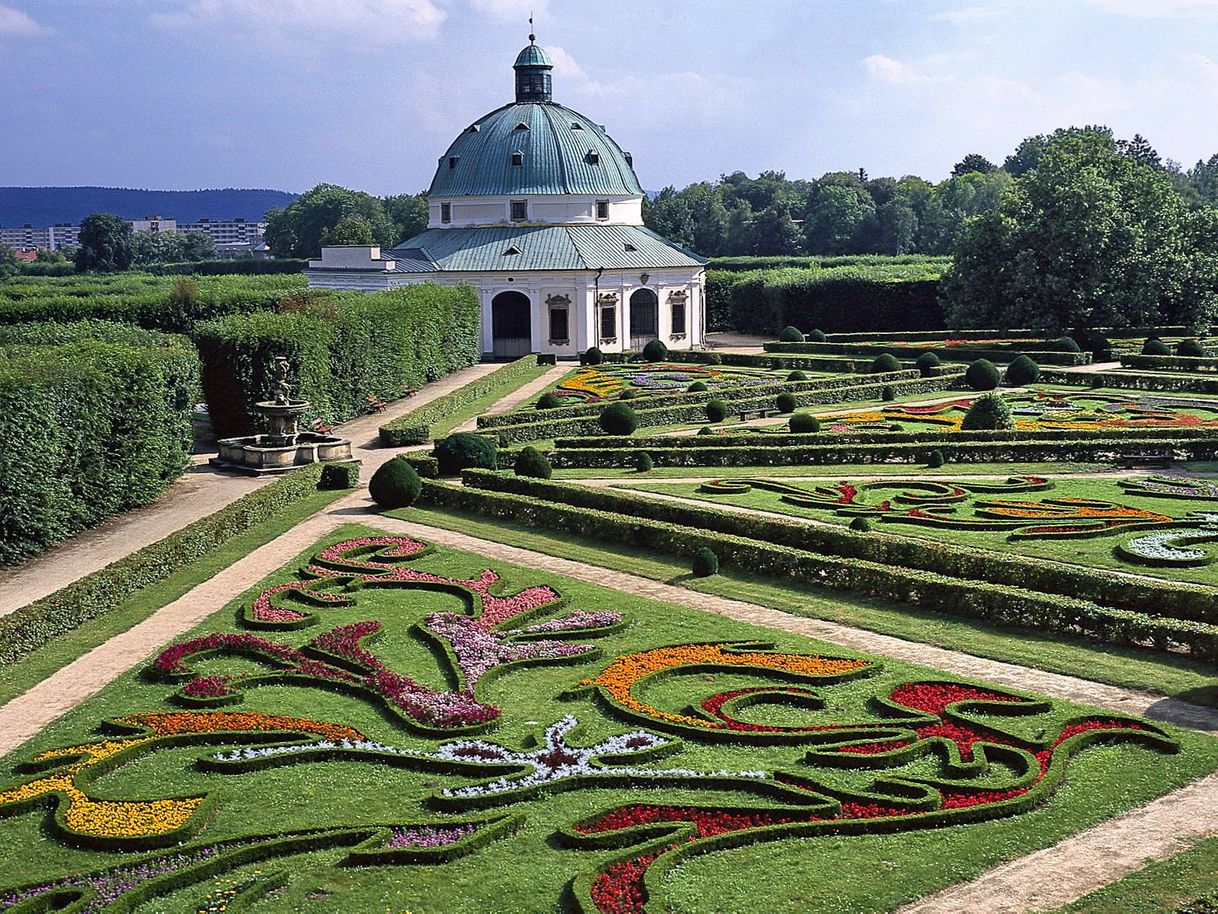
(532, 37)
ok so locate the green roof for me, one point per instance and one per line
(539, 247)
(533, 56)
(559, 151)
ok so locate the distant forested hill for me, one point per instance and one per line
(51, 205)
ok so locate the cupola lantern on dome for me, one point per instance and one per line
(533, 66)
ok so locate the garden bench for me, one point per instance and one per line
(760, 412)
(321, 428)
(1162, 459)
(375, 403)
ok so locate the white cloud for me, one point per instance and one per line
(510, 10)
(970, 14)
(380, 22)
(1160, 9)
(889, 70)
(16, 22)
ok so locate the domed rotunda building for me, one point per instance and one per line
(540, 211)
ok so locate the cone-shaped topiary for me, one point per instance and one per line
(532, 462)
(1021, 371)
(705, 563)
(785, 402)
(628, 394)
(885, 362)
(698, 387)
(548, 401)
(802, 423)
(1155, 346)
(790, 334)
(655, 351)
(860, 525)
(988, 413)
(716, 410)
(981, 375)
(706, 430)
(593, 356)
(1190, 348)
(934, 459)
(928, 364)
(395, 484)
(797, 376)
(1065, 344)
(643, 463)
(463, 450)
(618, 419)
(888, 393)
(817, 336)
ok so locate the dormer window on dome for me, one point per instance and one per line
(533, 66)
(517, 158)
(593, 157)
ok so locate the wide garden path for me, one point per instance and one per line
(519, 396)
(202, 491)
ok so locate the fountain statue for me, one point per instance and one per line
(282, 446)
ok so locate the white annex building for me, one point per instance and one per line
(540, 211)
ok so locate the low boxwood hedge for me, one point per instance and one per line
(27, 629)
(1043, 352)
(999, 603)
(1150, 381)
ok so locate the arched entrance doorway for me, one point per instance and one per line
(511, 325)
(644, 318)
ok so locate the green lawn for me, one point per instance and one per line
(479, 406)
(836, 472)
(1133, 668)
(1097, 551)
(532, 868)
(1161, 888)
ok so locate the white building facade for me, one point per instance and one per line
(540, 212)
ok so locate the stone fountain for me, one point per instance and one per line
(283, 446)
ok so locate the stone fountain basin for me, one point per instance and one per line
(257, 453)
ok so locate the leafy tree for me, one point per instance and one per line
(1140, 150)
(974, 162)
(350, 230)
(670, 215)
(1026, 156)
(9, 264)
(836, 217)
(105, 244)
(171, 247)
(774, 232)
(408, 213)
(1203, 177)
(298, 230)
(896, 227)
(1090, 237)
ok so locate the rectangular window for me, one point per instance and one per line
(602, 209)
(608, 323)
(678, 317)
(446, 212)
(520, 210)
(558, 324)
(517, 158)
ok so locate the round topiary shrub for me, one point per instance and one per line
(888, 393)
(643, 463)
(1155, 346)
(464, 450)
(698, 387)
(885, 362)
(1190, 348)
(928, 364)
(981, 375)
(716, 410)
(706, 430)
(988, 413)
(797, 376)
(785, 402)
(934, 459)
(705, 563)
(713, 358)
(817, 336)
(548, 401)
(803, 423)
(395, 484)
(532, 462)
(655, 351)
(628, 394)
(1021, 371)
(790, 334)
(1065, 344)
(860, 525)
(593, 356)
(618, 419)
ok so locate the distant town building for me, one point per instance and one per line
(232, 236)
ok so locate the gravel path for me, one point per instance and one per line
(200, 492)
(520, 395)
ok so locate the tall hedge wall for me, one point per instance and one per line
(897, 297)
(353, 346)
(91, 427)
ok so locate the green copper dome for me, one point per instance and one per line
(533, 56)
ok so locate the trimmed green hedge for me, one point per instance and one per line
(1003, 604)
(140, 298)
(415, 426)
(1169, 362)
(751, 262)
(828, 452)
(27, 629)
(692, 407)
(999, 353)
(360, 345)
(231, 267)
(887, 297)
(96, 420)
(1151, 381)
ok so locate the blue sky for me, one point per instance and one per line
(368, 93)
